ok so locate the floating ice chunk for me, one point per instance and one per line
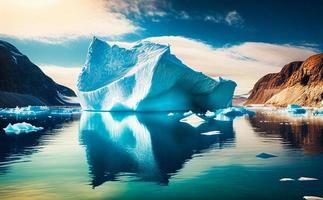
(307, 179)
(286, 179)
(211, 133)
(318, 112)
(146, 77)
(187, 113)
(170, 114)
(265, 155)
(209, 114)
(295, 109)
(21, 128)
(25, 111)
(230, 113)
(312, 198)
(193, 120)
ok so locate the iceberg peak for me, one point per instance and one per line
(146, 77)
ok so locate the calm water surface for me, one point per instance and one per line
(154, 156)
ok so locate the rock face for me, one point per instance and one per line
(297, 83)
(146, 77)
(23, 83)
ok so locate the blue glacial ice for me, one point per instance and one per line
(27, 111)
(21, 128)
(230, 113)
(295, 109)
(146, 77)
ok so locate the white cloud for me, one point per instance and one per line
(56, 20)
(139, 8)
(245, 63)
(232, 18)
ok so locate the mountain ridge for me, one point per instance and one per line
(299, 82)
(20, 79)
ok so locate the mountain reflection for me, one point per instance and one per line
(149, 147)
(300, 132)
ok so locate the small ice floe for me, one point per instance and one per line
(307, 179)
(212, 133)
(193, 120)
(286, 179)
(232, 112)
(170, 114)
(295, 109)
(185, 114)
(265, 155)
(318, 112)
(209, 114)
(21, 128)
(312, 198)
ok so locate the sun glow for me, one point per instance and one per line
(34, 3)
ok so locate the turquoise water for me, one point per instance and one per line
(154, 156)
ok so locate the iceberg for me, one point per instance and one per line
(313, 198)
(230, 113)
(318, 112)
(307, 179)
(286, 179)
(295, 109)
(193, 120)
(28, 111)
(211, 133)
(265, 155)
(21, 128)
(209, 114)
(146, 77)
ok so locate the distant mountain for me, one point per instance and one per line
(298, 82)
(23, 83)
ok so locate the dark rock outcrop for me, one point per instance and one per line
(298, 82)
(22, 82)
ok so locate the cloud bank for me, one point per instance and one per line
(55, 20)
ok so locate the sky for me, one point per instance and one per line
(239, 40)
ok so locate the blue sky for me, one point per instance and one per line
(57, 32)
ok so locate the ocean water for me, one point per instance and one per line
(102, 155)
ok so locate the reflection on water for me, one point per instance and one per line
(155, 156)
(301, 132)
(151, 147)
(15, 147)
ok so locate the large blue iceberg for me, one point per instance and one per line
(146, 77)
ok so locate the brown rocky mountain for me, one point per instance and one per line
(299, 82)
(23, 83)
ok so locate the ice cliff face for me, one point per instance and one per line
(146, 77)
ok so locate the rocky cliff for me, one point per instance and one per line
(23, 83)
(299, 82)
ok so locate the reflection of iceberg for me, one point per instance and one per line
(146, 77)
(147, 146)
(126, 140)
